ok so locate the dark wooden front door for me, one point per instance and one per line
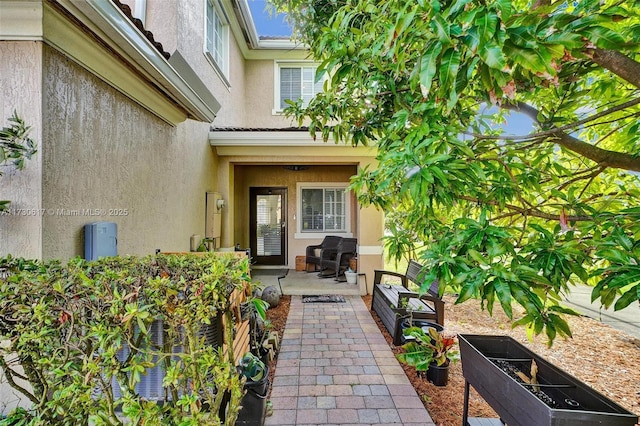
(268, 227)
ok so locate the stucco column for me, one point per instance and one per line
(226, 187)
(370, 252)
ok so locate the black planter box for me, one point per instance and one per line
(576, 402)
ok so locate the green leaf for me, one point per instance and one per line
(456, 7)
(467, 291)
(522, 321)
(403, 22)
(416, 355)
(441, 28)
(521, 37)
(505, 7)
(504, 296)
(486, 21)
(492, 55)
(560, 324)
(630, 296)
(477, 257)
(529, 59)
(141, 325)
(550, 330)
(428, 63)
(604, 38)
(567, 39)
(614, 255)
(449, 65)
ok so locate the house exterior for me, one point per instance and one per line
(165, 117)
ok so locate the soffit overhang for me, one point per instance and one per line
(101, 38)
(281, 142)
(255, 47)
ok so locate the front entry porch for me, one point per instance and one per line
(305, 283)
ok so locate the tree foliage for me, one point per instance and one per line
(501, 218)
(15, 147)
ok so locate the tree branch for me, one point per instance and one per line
(619, 64)
(8, 374)
(527, 211)
(532, 113)
(603, 157)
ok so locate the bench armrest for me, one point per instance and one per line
(379, 273)
(438, 304)
(405, 294)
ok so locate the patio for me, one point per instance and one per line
(302, 283)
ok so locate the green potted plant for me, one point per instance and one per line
(431, 352)
(252, 367)
(256, 372)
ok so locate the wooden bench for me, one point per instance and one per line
(394, 302)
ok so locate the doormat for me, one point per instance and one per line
(323, 298)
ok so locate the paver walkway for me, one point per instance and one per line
(335, 368)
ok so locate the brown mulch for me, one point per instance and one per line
(277, 318)
(616, 375)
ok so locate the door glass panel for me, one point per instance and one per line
(269, 225)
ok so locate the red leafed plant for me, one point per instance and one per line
(427, 348)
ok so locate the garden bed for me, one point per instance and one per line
(616, 377)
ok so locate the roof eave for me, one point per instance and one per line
(125, 36)
(250, 33)
(264, 138)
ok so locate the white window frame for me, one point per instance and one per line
(278, 65)
(300, 234)
(219, 60)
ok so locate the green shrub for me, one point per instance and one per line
(78, 329)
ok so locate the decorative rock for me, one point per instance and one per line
(271, 296)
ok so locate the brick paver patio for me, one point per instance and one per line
(336, 368)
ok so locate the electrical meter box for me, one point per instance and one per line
(100, 240)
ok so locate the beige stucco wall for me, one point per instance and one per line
(260, 82)
(104, 153)
(20, 86)
(179, 25)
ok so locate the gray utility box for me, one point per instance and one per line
(100, 240)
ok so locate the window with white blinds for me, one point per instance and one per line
(323, 208)
(296, 81)
(216, 36)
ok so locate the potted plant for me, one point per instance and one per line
(430, 351)
(256, 386)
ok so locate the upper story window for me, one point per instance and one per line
(295, 81)
(323, 208)
(217, 37)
